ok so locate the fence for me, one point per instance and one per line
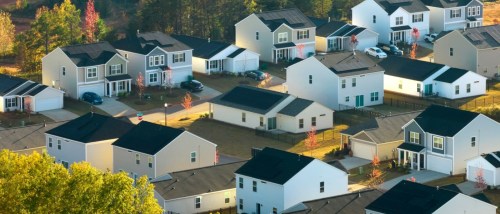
(321, 136)
(350, 115)
(459, 104)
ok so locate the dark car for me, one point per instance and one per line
(92, 98)
(256, 75)
(192, 85)
(391, 49)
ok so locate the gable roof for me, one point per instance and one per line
(148, 138)
(446, 3)
(492, 160)
(92, 127)
(292, 17)
(236, 53)
(411, 6)
(389, 128)
(9, 83)
(144, 43)
(27, 137)
(328, 28)
(202, 48)
(411, 197)
(198, 181)
(347, 64)
(90, 54)
(409, 68)
(274, 165)
(483, 37)
(451, 75)
(443, 120)
(251, 99)
(295, 107)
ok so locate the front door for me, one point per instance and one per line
(422, 164)
(360, 101)
(257, 208)
(428, 89)
(271, 123)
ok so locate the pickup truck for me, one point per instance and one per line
(391, 49)
(430, 37)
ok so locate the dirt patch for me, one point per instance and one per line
(491, 13)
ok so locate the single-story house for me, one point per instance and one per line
(27, 139)
(489, 167)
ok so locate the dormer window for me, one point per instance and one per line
(282, 37)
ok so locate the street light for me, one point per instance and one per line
(165, 105)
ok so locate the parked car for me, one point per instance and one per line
(92, 98)
(192, 85)
(376, 52)
(391, 49)
(257, 75)
(430, 37)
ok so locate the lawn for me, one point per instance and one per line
(158, 97)
(16, 119)
(456, 179)
(491, 13)
(362, 178)
(224, 83)
(79, 107)
(494, 196)
(277, 70)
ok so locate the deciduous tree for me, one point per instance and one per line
(7, 31)
(480, 182)
(140, 85)
(375, 174)
(90, 24)
(187, 102)
(311, 141)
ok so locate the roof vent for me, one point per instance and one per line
(177, 180)
(359, 194)
(328, 201)
(172, 188)
(437, 187)
(137, 31)
(194, 173)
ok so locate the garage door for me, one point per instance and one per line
(96, 88)
(367, 42)
(363, 150)
(43, 104)
(439, 164)
(246, 65)
(487, 174)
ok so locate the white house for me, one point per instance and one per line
(264, 109)
(337, 80)
(213, 56)
(86, 138)
(275, 180)
(200, 190)
(153, 150)
(420, 78)
(393, 20)
(442, 139)
(488, 165)
(19, 94)
(336, 36)
(451, 15)
(412, 197)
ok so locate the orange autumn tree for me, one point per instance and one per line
(375, 174)
(311, 141)
(480, 182)
(140, 85)
(187, 102)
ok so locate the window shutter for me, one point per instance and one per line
(184, 57)
(121, 68)
(207, 64)
(307, 34)
(408, 137)
(420, 139)
(297, 34)
(173, 57)
(109, 72)
(150, 61)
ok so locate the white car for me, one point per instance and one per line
(430, 37)
(376, 52)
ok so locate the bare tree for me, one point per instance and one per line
(27, 107)
(480, 182)
(187, 102)
(311, 141)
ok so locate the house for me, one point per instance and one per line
(154, 150)
(487, 165)
(200, 190)
(393, 20)
(336, 36)
(277, 35)
(86, 138)
(337, 80)
(342, 204)
(442, 139)
(474, 49)
(27, 139)
(17, 94)
(446, 15)
(412, 197)
(378, 137)
(264, 109)
(95, 67)
(161, 59)
(274, 180)
(420, 78)
(213, 56)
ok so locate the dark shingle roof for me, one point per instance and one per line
(274, 165)
(27, 88)
(198, 181)
(409, 68)
(236, 53)
(388, 129)
(411, 197)
(295, 107)
(347, 64)
(412, 6)
(451, 187)
(119, 77)
(492, 160)
(444, 121)
(28, 137)
(329, 28)
(92, 127)
(37, 90)
(292, 17)
(450, 75)
(284, 45)
(251, 99)
(344, 30)
(441, 34)
(201, 47)
(411, 147)
(148, 138)
(482, 197)
(144, 43)
(90, 54)
(446, 3)
(9, 83)
(400, 28)
(483, 37)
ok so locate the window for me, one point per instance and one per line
(243, 117)
(353, 82)
(313, 121)
(301, 123)
(473, 11)
(121, 86)
(310, 79)
(214, 64)
(451, 51)
(414, 137)
(457, 89)
(282, 37)
(418, 17)
(92, 72)
(468, 88)
(153, 77)
(399, 20)
(150, 162)
(256, 35)
(455, 13)
(473, 141)
(261, 121)
(437, 143)
(418, 87)
(193, 157)
(321, 186)
(240, 181)
(179, 57)
(151, 61)
(226, 198)
(343, 83)
(65, 164)
(157, 60)
(400, 84)
(275, 210)
(254, 186)
(197, 202)
(303, 34)
(11, 102)
(63, 69)
(347, 99)
(50, 142)
(374, 96)
(137, 159)
(115, 69)
(374, 19)
(59, 144)
(241, 203)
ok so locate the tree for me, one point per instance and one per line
(251, 6)
(354, 43)
(412, 179)
(321, 8)
(480, 182)
(21, 4)
(27, 107)
(7, 30)
(413, 51)
(375, 174)
(187, 102)
(415, 34)
(169, 83)
(311, 141)
(90, 24)
(140, 85)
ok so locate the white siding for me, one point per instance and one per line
(100, 154)
(209, 202)
(465, 204)
(199, 65)
(234, 116)
(365, 85)
(362, 15)
(490, 173)
(52, 74)
(71, 151)
(245, 61)
(48, 99)
(245, 37)
(324, 119)
(436, 19)
(268, 194)
(476, 81)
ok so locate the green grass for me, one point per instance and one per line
(447, 181)
(494, 196)
(79, 107)
(224, 83)
(277, 70)
(362, 178)
(159, 96)
(16, 119)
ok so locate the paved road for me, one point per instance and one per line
(58, 115)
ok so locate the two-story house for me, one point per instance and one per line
(474, 49)
(154, 150)
(336, 36)
(161, 59)
(446, 15)
(86, 138)
(393, 20)
(337, 80)
(277, 35)
(442, 139)
(275, 180)
(27, 139)
(96, 67)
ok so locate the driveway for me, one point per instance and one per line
(421, 176)
(225, 159)
(59, 115)
(353, 162)
(468, 188)
(207, 93)
(115, 108)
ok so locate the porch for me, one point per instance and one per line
(285, 51)
(214, 66)
(412, 154)
(118, 84)
(400, 34)
(335, 44)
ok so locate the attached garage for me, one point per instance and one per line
(362, 149)
(439, 164)
(488, 165)
(243, 60)
(366, 38)
(96, 88)
(45, 98)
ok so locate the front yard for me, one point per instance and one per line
(17, 119)
(360, 175)
(154, 97)
(79, 107)
(224, 83)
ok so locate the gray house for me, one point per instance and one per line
(442, 139)
(160, 58)
(336, 36)
(96, 67)
(446, 15)
(475, 49)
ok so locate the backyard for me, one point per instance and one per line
(154, 97)
(360, 175)
(17, 118)
(79, 107)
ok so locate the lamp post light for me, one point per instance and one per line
(165, 105)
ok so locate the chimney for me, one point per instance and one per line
(329, 19)
(208, 39)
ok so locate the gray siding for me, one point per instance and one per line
(283, 29)
(156, 52)
(116, 60)
(474, 4)
(413, 127)
(464, 53)
(447, 15)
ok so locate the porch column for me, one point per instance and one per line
(129, 85)
(404, 157)
(418, 161)
(399, 156)
(110, 89)
(411, 159)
